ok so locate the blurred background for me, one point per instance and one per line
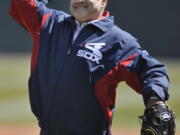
(156, 24)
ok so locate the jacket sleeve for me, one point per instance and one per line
(29, 13)
(142, 72)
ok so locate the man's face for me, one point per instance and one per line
(87, 10)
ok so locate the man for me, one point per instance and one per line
(77, 63)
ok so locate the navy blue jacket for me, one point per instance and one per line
(72, 86)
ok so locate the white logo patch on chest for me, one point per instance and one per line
(94, 54)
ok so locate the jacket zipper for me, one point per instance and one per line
(73, 43)
(69, 47)
(68, 51)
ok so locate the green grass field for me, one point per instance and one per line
(14, 103)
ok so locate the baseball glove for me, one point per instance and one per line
(158, 120)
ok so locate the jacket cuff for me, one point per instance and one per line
(159, 91)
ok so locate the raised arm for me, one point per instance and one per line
(30, 14)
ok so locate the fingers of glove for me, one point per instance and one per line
(148, 130)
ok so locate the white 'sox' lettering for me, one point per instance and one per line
(93, 53)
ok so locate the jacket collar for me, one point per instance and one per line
(104, 24)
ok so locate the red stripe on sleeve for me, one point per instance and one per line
(25, 13)
(34, 53)
(44, 19)
(131, 78)
(35, 50)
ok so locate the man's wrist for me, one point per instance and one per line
(151, 103)
(153, 100)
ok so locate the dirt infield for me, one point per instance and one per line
(31, 130)
(19, 130)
